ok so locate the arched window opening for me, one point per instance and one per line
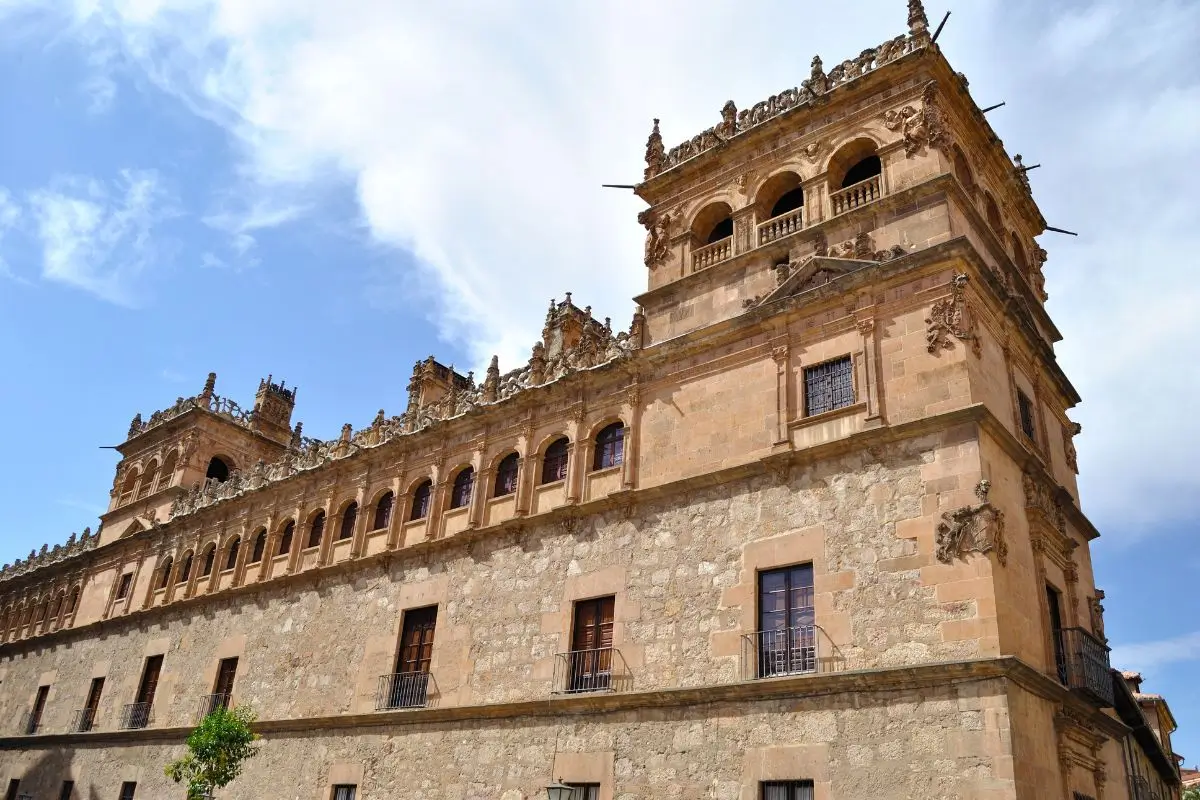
(210, 557)
(722, 230)
(506, 475)
(55, 608)
(285, 539)
(554, 462)
(218, 470)
(1018, 253)
(383, 512)
(260, 547)
(40, 616)
(460, 495)
(349, 517)
(610, 446)
(790, 201)
(420, 501)
(992, 211)
(778, 195)
(316, 529)
(231, 559)
(185, 572)
(72, 599)
(148, 479)
(962, 168)
(129, 487)
(167, 473)
(164, 576)
(868, 167)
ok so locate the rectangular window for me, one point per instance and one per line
(223, 690)
(345, 791)
(787, 642)
(39, 706)
(14, 786)
(123, 587)
(1054, 604)
(416, 642)
(128, 788)
(68, 790)
(591, 645)
(585, 791)
(137, 715)
(87, 717)
(1025, 407)
(828, 386)
(787, 790)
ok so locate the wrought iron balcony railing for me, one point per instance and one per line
(1083, 664)
(210, 703)
(405, 690)
(602, 669)
(786, 651)
(84, 720)
(30, 724)
(135, 715)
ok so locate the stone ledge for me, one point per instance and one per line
(800, 687)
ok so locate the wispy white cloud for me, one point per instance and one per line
(1148, 656)
(10, 215)
(476, 137)
(98, 237)
(240, 220)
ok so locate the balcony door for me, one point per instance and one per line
(223, 690)
(88, 718)
(591, 645)
(410, 686)
(1054, 605)
(787, 642)
(139, 716)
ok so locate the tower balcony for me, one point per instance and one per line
(780, 226)
(711, 254)
(855, 195)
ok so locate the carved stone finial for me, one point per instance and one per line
(728, 126)
(347, 429)
(1021, 171)
(297, 435)
(135, 426)
(491, 383)
(379, 418)
(918, 23)
(210, 385)
(818, 81)
(537, 364)
(655, 152)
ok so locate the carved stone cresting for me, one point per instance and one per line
(972, 529)
(950, 317)
(923, 127)
(734, 121)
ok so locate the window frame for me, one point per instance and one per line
(462, 488)
(316, 530)
(128, 790)
(422, 499)
(609, 446)
(508, 475)
(381, 516)
(812, 372)
(343, 791)
(347, 521)
(556, 466)
(125, 586)
(286, 535)
(792, 789)
(1026, 415)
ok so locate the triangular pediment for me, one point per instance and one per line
(813, 273)
(138, 525)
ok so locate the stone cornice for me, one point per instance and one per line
(868, 681)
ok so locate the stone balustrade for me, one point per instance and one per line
(783, 225)
(855, 195)
(710, 254)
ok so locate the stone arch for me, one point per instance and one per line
(962, 168)
(992, 212)
(314, 527)
(149, 477)
(162, 577)
(287, 531)
(382, 507)
(230, 552)
(1018, 253)
(461, 487)
(260, 546)
(507, 468)
(166, 473)
(779, 194)
(220, 467)
(853, 162)
(713, 222)
(347, 519)
(421, 498)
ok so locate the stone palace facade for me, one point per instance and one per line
(807, 528)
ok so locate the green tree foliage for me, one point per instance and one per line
(217, 750)
(1192, 794)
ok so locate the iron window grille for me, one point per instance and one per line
(787, 790)
(828, 386)
(345, 791)
(585, 791)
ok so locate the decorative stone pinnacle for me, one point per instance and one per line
(655, 152)
(210, 384)
(918, 23)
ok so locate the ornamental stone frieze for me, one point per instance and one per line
(972, 529)
(51, 555)
(922, 127)
(950, 317)
(572, 341)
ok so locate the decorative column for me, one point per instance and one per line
(297, 537)
(245, 548)
(437, 503)
(633, 413)
(873, 390)
(272, 544)
(362, 522)
(744, 230)
(399, 513)
(479, 493)
(526, 468)
(781, 352)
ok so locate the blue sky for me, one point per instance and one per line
(329, 192)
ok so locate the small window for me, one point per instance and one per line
(167, 473)
(869, 167)
(610, 446)
(123, 586)
(1025, 407)
(420, 501)
(345, 791)
(72, 599)
(164, 575)
(218, 470)
(349, 517)
(383, 512)
(554, 462)
(585, 791)
(68, 790)
(231, 559)
(186, 571)
(787, 790)
(506, 475)
(285, 540)
(460, 496)
(260, 547)
(128, 789)
(148, 479)
(39, 708)
(828, 386)
(316, 530)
